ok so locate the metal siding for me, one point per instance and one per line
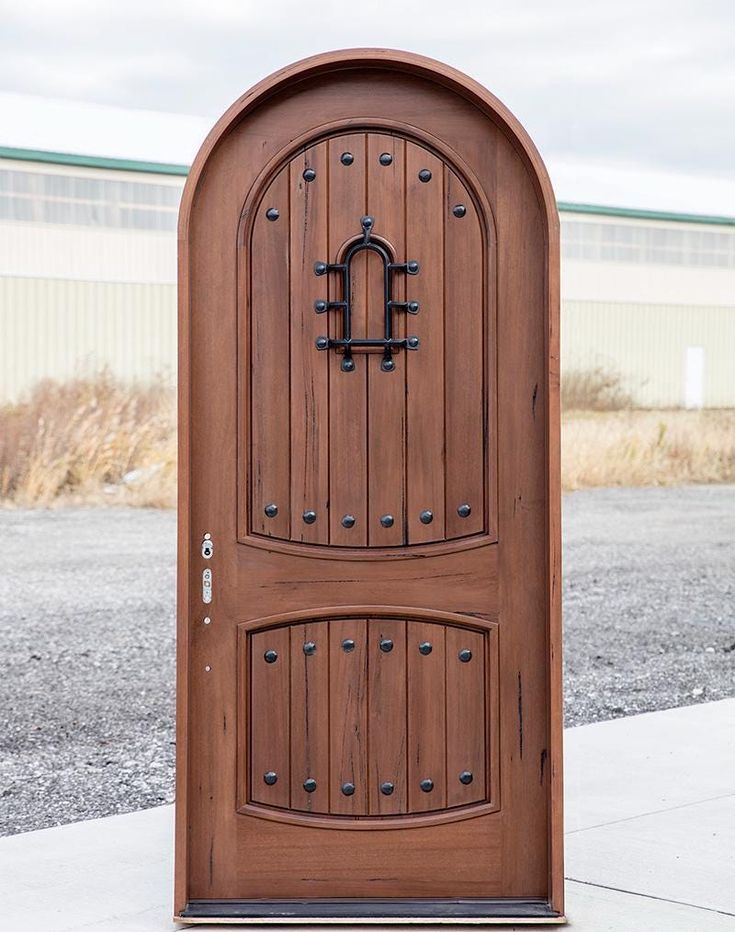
(646, 344)
(59, 329)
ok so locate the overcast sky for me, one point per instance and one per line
(649, 83)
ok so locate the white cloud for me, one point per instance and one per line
(644, 81)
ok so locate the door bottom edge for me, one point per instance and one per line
(485, 911)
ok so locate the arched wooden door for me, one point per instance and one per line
(369, 722)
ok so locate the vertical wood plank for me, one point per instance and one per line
(387, 716)
(310, 717)
(269, 717)
(426, 716)
(348, 716)
(309, 367)
(425, 367)
(465, 348)
(348, 462)
(386, 390)
(269, 327)
(466, 717)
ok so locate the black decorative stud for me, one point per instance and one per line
(348, 364)
(347, 158)
(386, 645)
(270, 777)
(308, 174)
(387, 520)
(412, 267)
(321, 343)
(465, 655)
(309, 517)
(425, 648)
(320, 306)
(309, 648)
(412, 307)
(412, 342)
(466, 777)
(387, 364)
(348, 645)
(385, 158)
(348, 789)
(270, 656)
(459, 210)
(310, 785)
(424, 175)
(427, 785)
(464, 511)
(320, 268)
(348, 521)
(271, 510)
(386, 789)
(426, 516)
(272, 213)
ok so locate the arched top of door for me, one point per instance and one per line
(386, 60)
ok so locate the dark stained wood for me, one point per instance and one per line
(467, 698)
(466, 349)
(269, 717)
(348, 704)
(308, 368)
(511, 847)
(425, 367)
(388, 722)
(347, 390)
(427, 734)
(387, 391)
(309, 717)
(270, 434)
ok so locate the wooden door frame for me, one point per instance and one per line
(491, 107)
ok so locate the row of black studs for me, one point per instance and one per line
(425, 517)
(386, 645)
(270, 778)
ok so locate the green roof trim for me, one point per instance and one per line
(169, 168)
(92, 161)
(566, 207)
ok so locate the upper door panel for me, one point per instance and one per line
(366, 282)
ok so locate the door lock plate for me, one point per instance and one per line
(206, 586)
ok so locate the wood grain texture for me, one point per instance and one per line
(425, 367)
(466, 348)
(466, 715)
(270, 425)
(309, 717)
(270, 750)
(348, 451)
(309, 390)
(427, 731)
(223, 854)
(386, 390)
(387, 761)
(348, 709)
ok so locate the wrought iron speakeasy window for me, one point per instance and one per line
(388, 341)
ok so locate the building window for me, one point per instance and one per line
(39, 197)
(644, 243)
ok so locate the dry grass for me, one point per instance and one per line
(635, 448)
(595, 389)
(98, 441)
(91, 441)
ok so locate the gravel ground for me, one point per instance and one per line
(87, 637)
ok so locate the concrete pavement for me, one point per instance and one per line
(650, 809)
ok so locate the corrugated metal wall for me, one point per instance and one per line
(55, 328)
(646, 344)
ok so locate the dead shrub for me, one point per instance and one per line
(593, 390)
(89, 440)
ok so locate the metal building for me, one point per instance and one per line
(88, 259)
